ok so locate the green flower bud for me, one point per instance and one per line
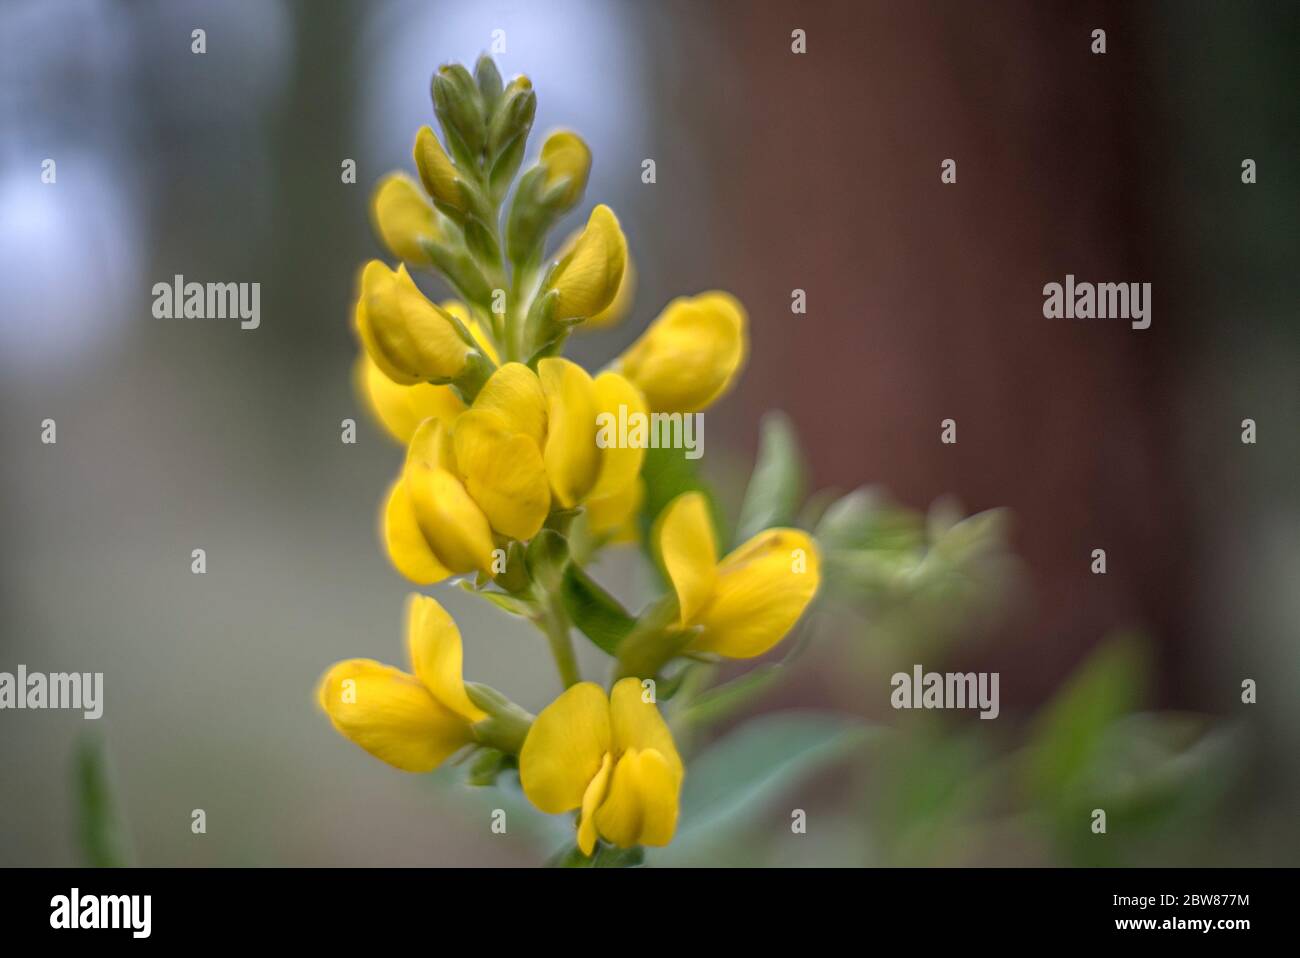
(459, 105)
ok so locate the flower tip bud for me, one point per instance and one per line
(438, 174)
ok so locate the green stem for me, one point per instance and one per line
(555, 623)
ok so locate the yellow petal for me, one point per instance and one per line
(514, 394)
(391, 715)
(407, 336)
(431, 446)
(621, 304)
(504, 474)
(572, 460)
(399, 408)
(566, 156)
(690, 355)
(617, 400)
(405, 543)
(588, 278)
(433, 643)
(403, 218)
(762, 589)
(438, 174)
(641, 808)
(591, 799)
(451, 522)
(565, 748)
(615, 515)
(637, 724)
(684, 539)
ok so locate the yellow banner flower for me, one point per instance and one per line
(400, 409)
(411, 721)
(588, 277)
(403, 218)
(621, 304)
(580, 469)
(749, 601)
(408, 337)
(498, 446)
(432, 527)
(613, 759)
(690, 355)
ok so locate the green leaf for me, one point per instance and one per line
(738, 777)
(668, 474)
(777, 482)
(603, 856)
(502, 600)
(103, 835)
(723, 700)
(596, 613)
(1068, 734)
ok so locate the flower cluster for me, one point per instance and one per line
(505, 485)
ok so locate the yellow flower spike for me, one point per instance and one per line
(566, 156)
(438, 174)
(690, 355)
(412, 722)
(588, 278)
(403, 218)
(749, 601)
(613, 759)
(408, 337)
(573, 461)
(400, 409)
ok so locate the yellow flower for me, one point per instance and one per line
(588, 277)
(498, 451)
(746, 603)
(432, 527)
(438, 174)
(578, 466)
(566, 157)
(413, 722)
(613, 759)
(403, 218)
(400, 409)
(408, 337)
(690, 355)
(621, 304)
